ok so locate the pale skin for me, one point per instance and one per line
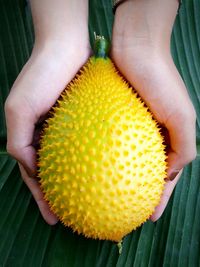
(141, 51)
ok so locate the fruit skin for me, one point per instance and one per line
(102, 162)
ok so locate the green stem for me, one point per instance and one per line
(101, 47)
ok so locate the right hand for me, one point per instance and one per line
(141, 52)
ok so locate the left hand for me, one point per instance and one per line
(61, 48)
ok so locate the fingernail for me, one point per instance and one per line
(173, 175)
(31, 174)
(34, 176)
(53, 220)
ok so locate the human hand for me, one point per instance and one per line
(141, 51)
(61, 48)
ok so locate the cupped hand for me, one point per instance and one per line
(35, 91)
(141, 51)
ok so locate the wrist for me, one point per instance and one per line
(144, 24)
(62, 51)
(60, 21)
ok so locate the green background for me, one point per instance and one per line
(25, 239)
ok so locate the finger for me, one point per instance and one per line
(35, 189)
(169, 187)
(20, 128)
(182, 134)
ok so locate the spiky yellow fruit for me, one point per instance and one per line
(102, 162)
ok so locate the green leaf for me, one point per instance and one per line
(26, 240)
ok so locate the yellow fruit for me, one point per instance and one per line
(102, 162)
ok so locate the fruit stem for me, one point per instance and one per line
(119, 244)
(101, 47)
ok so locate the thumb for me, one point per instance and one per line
(34, 187)
(181, 128)
(168, 190)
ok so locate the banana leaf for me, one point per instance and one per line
(25, 239)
